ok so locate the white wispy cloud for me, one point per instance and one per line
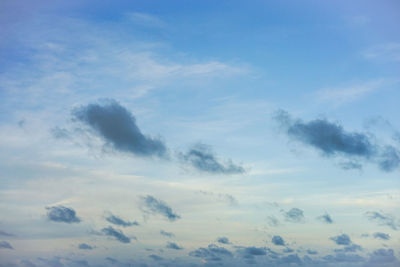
(386, 52)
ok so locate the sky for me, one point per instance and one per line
(199, 133)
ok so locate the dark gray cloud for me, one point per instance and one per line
(85, 246)
(167, 234)
(294, 215)
(383, 236)
(117, 234)
(211, 253)
(2, 233)
(332, 140)
(223, 240)
(342, 239)
(5, 244)
(153, 205)
(117, 126)
(173, 245)
(325, 218)
(202, 158)
(278, 240)
(120, 222)
(382, 219)
(62, 214)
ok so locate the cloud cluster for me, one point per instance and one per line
(62, 214)
(167, 234)
(278, 240)
(152, 205)
(85, 246)
(342, 239)
(383, 236)
(211, 253)
(331, 139)
(203, 159)
(172, 245)
(117, 126)
(326, 218)
(223, 240)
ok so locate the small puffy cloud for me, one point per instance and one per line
(6, 245)
(278, 240)
(62, 214)
(117, 126)
(382, 219)
(342, 239)
(383, 236)
(211, 253)
(294, 215)
(155, 206)
(117, 234)
(223, 240)
(272, 221)
(351, 165)
(85, 246)
(349, 248)
(120, 222)
(326, 218)
(173, 245)
(60, 133)
(250, 252)
(167, 234)
(203, 159)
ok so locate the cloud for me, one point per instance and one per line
(290, 259)
(156, 257)
(383, 236)
(62, 214)
(329, 138)
(342, 239)
(118, 234)
(382, 256)
(326, 218)
(312, 252)
(60, 133)
(351, 165)
(332, 140)
(2, 233)
(117, 126)
(272, 221)
(85, 246)
(278, 240)
(147, 20)
(111, 260)
(118, 221)
(294, 215)
(382, 219)
(5, 244)
(203, 159)
(343, 258)
(390, 159)
(167, 234)
(387, 52)
(223, 240)
(173, 245)
(211, 253)
(153, 205)
(346, 94)
(349, 248)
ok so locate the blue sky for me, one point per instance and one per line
(199, 133)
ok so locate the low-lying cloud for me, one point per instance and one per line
(117, 234)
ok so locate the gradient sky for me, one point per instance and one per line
(200, 133)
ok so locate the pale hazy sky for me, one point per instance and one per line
(200, 133)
